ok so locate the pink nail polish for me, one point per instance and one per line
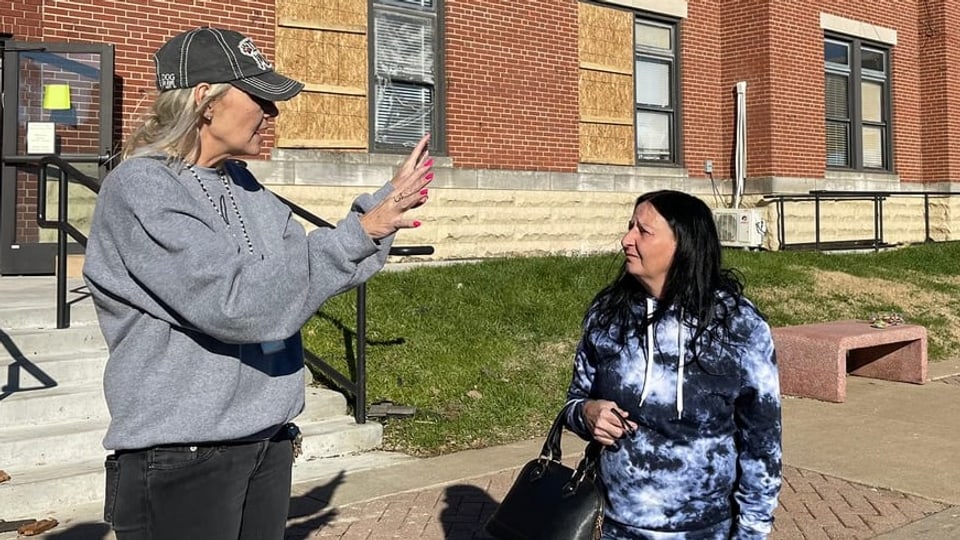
(429, 176)
(423, 192)
(416, 223)
(428, 162)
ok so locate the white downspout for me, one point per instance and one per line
(740, 161)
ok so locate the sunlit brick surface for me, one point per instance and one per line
(812, 506)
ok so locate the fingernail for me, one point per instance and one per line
(423, 192)
(428, 162)
(429, 176)
(416, 223)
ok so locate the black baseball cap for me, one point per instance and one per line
(216, 55)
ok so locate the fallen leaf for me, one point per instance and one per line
(37, 527)
(474, 394)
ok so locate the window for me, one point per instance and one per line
(858, 105)
(405, 73)
(656, 82)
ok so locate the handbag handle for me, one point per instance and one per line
(551, 446)
(587, 468)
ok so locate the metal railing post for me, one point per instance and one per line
(63, 315)
(816, 220)
(360, 407)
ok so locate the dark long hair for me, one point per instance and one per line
(695, 282)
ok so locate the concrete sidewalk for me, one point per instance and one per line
(881, 465)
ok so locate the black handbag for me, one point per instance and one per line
(549, 500)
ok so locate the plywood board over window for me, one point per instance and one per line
(318, 120)
(606, 39)
(324, 44)
(337, 15)
(332, 62)
(608, 144)
(606, 98)
(606, 85)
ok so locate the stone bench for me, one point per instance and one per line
(814, 359)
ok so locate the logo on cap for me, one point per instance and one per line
(167, 81)
(247, 48)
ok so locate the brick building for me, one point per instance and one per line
(550, 117)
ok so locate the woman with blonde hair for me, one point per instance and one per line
(202, 280)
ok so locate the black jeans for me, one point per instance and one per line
(205, 492)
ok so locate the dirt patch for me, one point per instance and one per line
(844, 296)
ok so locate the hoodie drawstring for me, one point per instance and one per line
(680, 348)
(648, 372)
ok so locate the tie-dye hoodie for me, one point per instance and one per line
(707, 450)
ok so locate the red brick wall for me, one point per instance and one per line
(511, 74)
(745, 46)
(938, 25)
(136, 29)
(777, 47)
(907, 121)
(21, 18)
(512, 86)
(706, 125)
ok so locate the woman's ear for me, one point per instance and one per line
(200, 93)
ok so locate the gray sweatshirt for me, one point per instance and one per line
(204, 337)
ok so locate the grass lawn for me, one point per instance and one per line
(484, 350)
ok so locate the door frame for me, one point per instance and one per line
(37, 258)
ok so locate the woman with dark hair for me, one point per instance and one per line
(676, 375)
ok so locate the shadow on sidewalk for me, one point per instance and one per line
(82, 531)
(311, 511)
(466, 512)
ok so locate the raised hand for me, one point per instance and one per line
(409, 191)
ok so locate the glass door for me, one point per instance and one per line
(57, 100)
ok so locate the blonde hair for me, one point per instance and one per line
(171, 127)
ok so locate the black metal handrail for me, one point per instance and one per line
(356, 389)
(877, 197)
(62, 224)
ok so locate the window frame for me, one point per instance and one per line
(438, 133)
(855, 75)
(673, 111)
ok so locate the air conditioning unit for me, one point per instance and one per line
(740, 227)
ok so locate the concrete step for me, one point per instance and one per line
(30, 342)
(311, 485)
(64, 403)
(321, 404)
(41, 490)
(310, 471)
(38, 491)
(28, 290)
(53, 415)
(39, 371)
(85, 402)
(31, 302)
(338, 436)
(45, 316)
(26, 447)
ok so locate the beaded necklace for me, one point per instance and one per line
(233, 203)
